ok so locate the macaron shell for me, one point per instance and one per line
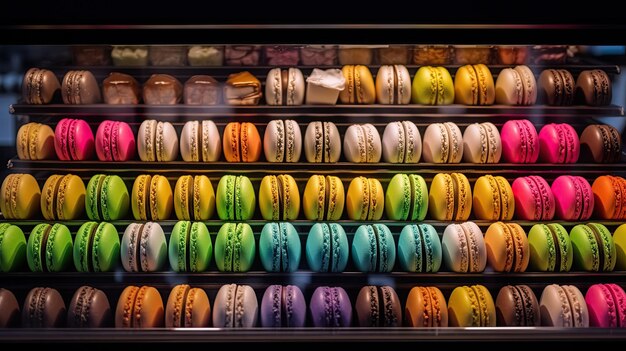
(573, 198)
(454, 247)
(516, 136)
(274, 245)
(106, 248)
(402, 143)
(96, 313)
(393, 85)
(153, 248)
(369, 316)
(412, 244)
(43, 308)
(419, 307)
(194, 308)
(20, 197)
(601, 144)
(362, 201)
(243, 298)
(322, 142)
(289, 297)
(543, 248)
(359, 81)
(441, 197)
(59, 249)
(593, 87)
(12, 248)
(557, 304)
(401, 196)
(318, 255)
(362, 144)
(604, 308)
(326, 299)
(35, 141)
(619, 238)
(139, 308)
(606, 190)
(10, 316)
(509, 88)
(147, 140)
(164, 198)
(61, 139)
(534, 199)
(465, 303)
(507, 247)
(481, 143)
(491, 202)
(514, 308)
(586, 249)
(243, 248)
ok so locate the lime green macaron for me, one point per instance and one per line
(96, 247)
(235, 198)
(190, 247)
(234, 248)
(406, 198)
(107, 198)
(550, 248)
(12, 248)
(432, 86)
(619, 237)
(594, 249)
(49, 248)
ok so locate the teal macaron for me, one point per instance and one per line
(107, 198)
(279, 247)
(594, 249)
(327, 248)
(373, 248)
(419, 249)
(96, 247)
(190, 247)
(12, 247)
(406, 198)
(235, 247)
(49, 248)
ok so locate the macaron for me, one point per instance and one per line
(443, 143)
(35, 141)
(322, 142)
(73, 140)
(200, 141)
(323, 198)
(594, 249)
(601, 143)
(517, 306)
(402, 143)
(473, 85)
(190, 248)
(556, 87)
(450, 197)
(507, 247)
(49, 248)
(606, 304)
(365, 200)
(115, 141)
(593, 87)
(284, 87)
(279, 247)
(80, 88)
(550, 248)
(279, 198)
(152, 198)
(608, 194)
(378, 306)
(493, 199)
(393, 85)
(361, 144)
(463, 248)
(194, 198)
(43, 308)
(573, 198)
(64, 197)
(283, 306)
(619, 238)
(187, 307)
(282, 141)
(40, 86)
(235, 248)
(143, 247)
(516, 86)
(235, 198)
(426, 307)
(139, 307)
(96, 247)
(520, 142)
(327, 248)
(241, 142)
(360, 88)
(471, 306)
(563, 306)
(10, 308)
(373, 248)
(235, 306)
(89, 308)
(106, 198)
(534, 200)
(330, 307)
(406, 199)
(12, 248)
(482, 143)
(558, 143)
(432, 86)
(20, 196)
(157, 141)
(419, 249)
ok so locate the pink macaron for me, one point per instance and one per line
(534, 200)
(73, 140)
(558, 143)
(607, 306)
(115, 141)
(573, 198)
(519, 142)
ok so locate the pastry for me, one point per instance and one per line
(563, 306)
(426, 307)
(482, 143)
(330, 307)
(87, 55)
(73, 140)
(323, 198)
(241, 142)
(573, 198)
(194, 198)
(550, 248)
(534, 200)
(131, 56)
(283, 306)
(205, 55)
(432, 55)
(12, 248)
(507, 247)
(512, 55)
(520, 143)
(143, 247)
(279, 198)
(393, 85)
(235, 306)
(279, 247)
(373, 248)
(162, 89)
(284, 87)
(594, 249)
(157, 141)
(419, 249)
(187, 307)
(151, 198)
(432, 86)
(200, 141)
(608, 197)
(365, 200)
(64, 197)
(80, 88)
(402, 143)
(242, 89)
(327, 248)
(121, 89)
(115, 141)
(168, 55)
(378, 306)
(360, 88)
(558, 143)
(234, 248)
(493, 199)
(10, 309)
(35, 141)
(242, 55)
(40, 87)
(235, 198)
(20, 197)
(322, 142)
(593, 87)
(106, 198)
(96, 247)
(463, 248)
(472, 54)
(139, 307)
(202, 90)
(471, 306)
(324, 86)
(556, 87)
(49, 248)
(619, 238)
(361, 144)
(318, 55)
(89, 308)
(443, 143)
(355, 55)
(473, 85)
(43, 308)
(393, 55)
(281, 55)
(549, 54)
(190, 248)
(406, 198)
(606, 304)
(282, 141)
(450, 197)
(516, 86)
(517, 306)
(601, 143)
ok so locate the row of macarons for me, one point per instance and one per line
(353, 84)
(237, 306)
(462, 248)
(407, 197)
(283, 141)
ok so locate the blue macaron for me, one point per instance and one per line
(279, 247)
(327, 248)
(419, 249)
(373, 248)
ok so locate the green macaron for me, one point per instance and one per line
(235, 198)
(12, 248)
(594, 249)
(107, 198)
(419, 249)
(190, 247)
(279, 247)
(550, 248)
(234, 248)
(49, 248)
(406, 198)
(96, 247)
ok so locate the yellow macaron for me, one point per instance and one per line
(450, 197)
(151, 198)
(194, 198)
(323, 198)
(279, 198)
(63, 197)
(20, 196)
(493, 199)
(365, 199)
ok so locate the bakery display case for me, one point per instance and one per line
(260, 187)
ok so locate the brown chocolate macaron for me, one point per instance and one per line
(601, 143)
(40, 86)
(517, 306)
(378, 306)
(593, 87)
(80, 88)
(121, 89)
(43, 308)
(162, 89)
(9, 309)
(556, 87)
(89, 308)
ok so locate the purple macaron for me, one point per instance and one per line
(330, 307)
(283, 306)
